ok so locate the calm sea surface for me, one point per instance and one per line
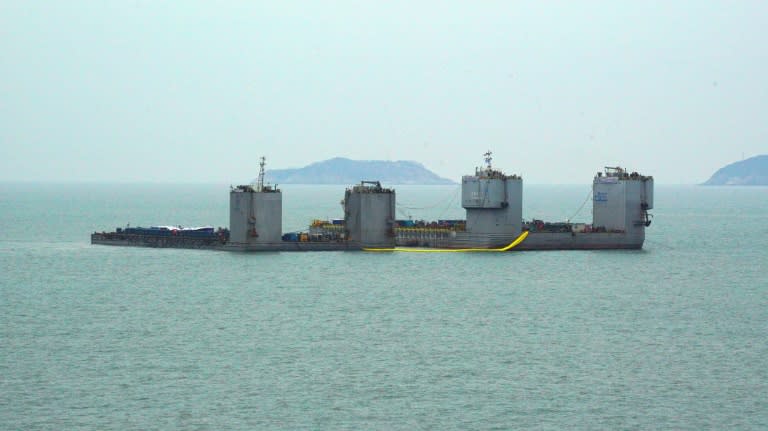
(93, 337)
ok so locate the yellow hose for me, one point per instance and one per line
(511, 245)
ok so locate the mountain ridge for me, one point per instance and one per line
(748, 172)
(341, 170)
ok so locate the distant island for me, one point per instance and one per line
(749, 172)
(340, 170)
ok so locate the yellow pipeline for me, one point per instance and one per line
(511, 245)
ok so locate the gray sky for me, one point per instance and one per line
(196, 91)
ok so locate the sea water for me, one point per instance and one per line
(98, 337)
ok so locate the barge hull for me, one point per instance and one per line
(153, 241)
(150, 241)
(581, 241)
(534, 241)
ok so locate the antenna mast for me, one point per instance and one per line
(488, 159)
(260, 181)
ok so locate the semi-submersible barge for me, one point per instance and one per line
(492, 200)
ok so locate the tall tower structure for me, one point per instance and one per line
(255, 213)
(369, 215)
(620, 202)
(493, 201)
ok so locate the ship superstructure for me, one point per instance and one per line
(494, 205)
(492, 200)
(369, 215)
(255, 214)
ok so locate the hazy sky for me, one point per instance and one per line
(197, 91)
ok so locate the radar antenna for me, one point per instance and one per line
(488, 159)
(260, 181)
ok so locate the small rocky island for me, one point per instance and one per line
(748, 172)
(340, 170)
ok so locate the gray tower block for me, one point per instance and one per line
(620, 201)
(255, 217)
(494, 202)
(369, 215)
